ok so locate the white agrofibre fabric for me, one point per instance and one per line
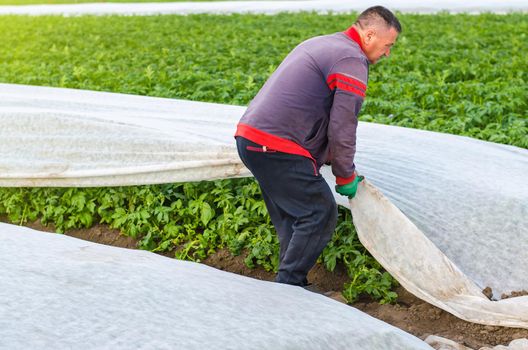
(60, 292)
(452, 223)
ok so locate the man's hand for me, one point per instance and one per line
(350, 188)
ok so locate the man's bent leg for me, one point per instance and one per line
(282, 222)
(261, 165)
(294, 186)
(311, 233)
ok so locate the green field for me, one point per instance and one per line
(460, 74)
(447, 73)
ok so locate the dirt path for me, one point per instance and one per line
(409, 313)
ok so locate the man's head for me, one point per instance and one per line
(378, 29)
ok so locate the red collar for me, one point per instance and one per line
(354, 35)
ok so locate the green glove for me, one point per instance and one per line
(350, 188)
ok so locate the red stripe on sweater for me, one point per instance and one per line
(343, 86)
(346, 79)
(346, 87)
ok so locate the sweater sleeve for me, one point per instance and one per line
(348, 80)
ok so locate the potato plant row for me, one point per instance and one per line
(192, 221)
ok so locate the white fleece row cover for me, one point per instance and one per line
(265, 7)
(60, 292)
(452, 223)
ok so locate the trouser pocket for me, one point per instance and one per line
(262, 149)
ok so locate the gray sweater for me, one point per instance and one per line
(309, 105)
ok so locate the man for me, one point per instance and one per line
(304, 116)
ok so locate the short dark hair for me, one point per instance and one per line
(376, 13)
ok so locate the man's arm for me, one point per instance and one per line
(348, 79)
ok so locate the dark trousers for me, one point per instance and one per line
(300, 204)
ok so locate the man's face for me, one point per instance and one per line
(378, 43)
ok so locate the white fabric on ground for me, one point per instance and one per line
(468, 198)
(422, 268)
(266, 7)
(66, 137)
(59, 292)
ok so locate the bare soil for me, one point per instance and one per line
(409, 313)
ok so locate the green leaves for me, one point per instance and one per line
(207, 213)
(370, 281)
(366, 274)
(461, 81)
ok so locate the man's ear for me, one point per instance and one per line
(369, 35)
